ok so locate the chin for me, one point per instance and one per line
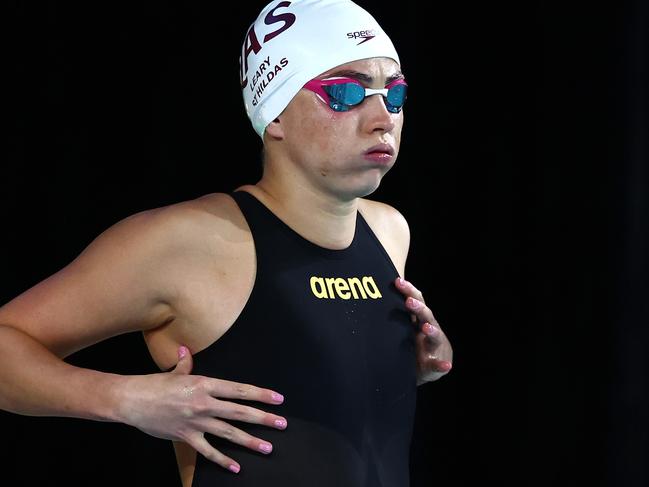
(364, 189)
(359, 185)
(369, 190)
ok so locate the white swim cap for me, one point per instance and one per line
(291, 43)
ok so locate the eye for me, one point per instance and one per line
(397, 95)
(346, 93)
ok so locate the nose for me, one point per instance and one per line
(377, 115)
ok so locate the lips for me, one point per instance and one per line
(381, 154)
(380, 149)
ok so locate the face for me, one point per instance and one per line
(343, 153)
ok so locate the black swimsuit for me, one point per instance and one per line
(327, 329)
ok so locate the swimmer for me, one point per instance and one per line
(289, 343)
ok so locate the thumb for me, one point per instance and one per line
(185, 362)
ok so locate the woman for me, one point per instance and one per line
(292, 286)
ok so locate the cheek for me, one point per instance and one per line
(333, 131)
(397, 131)
(326, 130)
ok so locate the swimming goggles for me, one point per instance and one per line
(341, 94)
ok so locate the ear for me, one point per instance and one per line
(275, 130)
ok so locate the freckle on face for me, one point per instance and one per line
(316, 124)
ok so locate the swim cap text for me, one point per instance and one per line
(251, 43)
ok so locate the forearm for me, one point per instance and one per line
(35, 382)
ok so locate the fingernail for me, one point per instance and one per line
(266, 447)
(182, 351)
(277, 397)
(401, 281)
(234, 468)
(429, 329)
(280, 423)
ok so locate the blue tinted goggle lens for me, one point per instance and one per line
(396, 96)
(346, 95)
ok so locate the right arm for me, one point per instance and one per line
(122, 282)
(107, 290)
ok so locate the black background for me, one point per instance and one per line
(523, 173)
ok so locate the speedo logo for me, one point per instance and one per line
(366, 35)
(351, 287)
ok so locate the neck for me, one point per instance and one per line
(319, 216)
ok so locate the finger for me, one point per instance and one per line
(202, 446)
(235, 435)
(409, 289)
(427, 359)
(432, 333)
(185, 362)
(419, 309)
(437, 365)
(247, 392)
(238, 412)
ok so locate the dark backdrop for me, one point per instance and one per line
(523, 174)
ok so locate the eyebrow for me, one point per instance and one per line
(357, 75)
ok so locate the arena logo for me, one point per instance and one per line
(251, 43)
(330, 287)
(366, 35)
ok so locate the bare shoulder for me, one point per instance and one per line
(384, 218)
(390, 227)
(209, 219)
(166, 235)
